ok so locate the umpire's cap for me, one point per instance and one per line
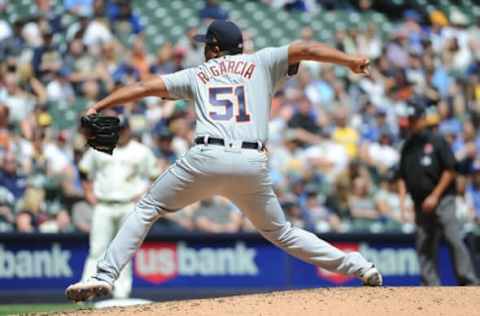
(226, 34)
(416, 107)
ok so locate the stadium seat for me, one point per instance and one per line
(268, 25)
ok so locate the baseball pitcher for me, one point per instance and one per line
(232, 95)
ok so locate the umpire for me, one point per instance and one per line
(427, 172)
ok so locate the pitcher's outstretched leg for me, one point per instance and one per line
(265, 213)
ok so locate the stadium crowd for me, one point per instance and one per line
(334, 136)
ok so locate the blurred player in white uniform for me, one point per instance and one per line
(113, 184)
(232, 94)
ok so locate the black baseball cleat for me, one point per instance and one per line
(87, 290)
(372, 277)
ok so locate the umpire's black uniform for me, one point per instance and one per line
(424, 158)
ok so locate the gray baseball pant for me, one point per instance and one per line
(429, 230)
(241, 175)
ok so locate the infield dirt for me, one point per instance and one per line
(432, 301)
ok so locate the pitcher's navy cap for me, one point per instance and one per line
(226, 34)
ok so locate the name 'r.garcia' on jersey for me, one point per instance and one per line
(238, 67)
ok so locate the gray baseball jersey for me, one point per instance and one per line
(232, 94)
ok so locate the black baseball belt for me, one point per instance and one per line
(204, 140)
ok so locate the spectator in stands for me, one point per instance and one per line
(5, 28)
(110, 56)
(164, 62)
(474, 40)
(59, 89)
(338, 199)
(79, 6)
(395, 217)
(10, 179)
(374, 123)
(320, 91)
(465, 148)
(362, 206)
(34, 203)
(81, 66)
(397, 49)
(298, 5)
(82, 216)
(33, 30)
(97, 31)
(213, 10)
(58, 223)
(415, 73)
(216, 215)
(450, 124)
(304, 118)
(319, 216)
(326, 156)
(90, 91)
(293, 198)
(123, 20)
(381, 155)
(5, 137)
(19, 101)
(345, 135)
(473, 194)
(369, 42)
(125, 73)
(49, 160)
(179, 124)
(464, 211)
(188, 49)
(46, 58)
(163, 150)
(7, 207)
(14, 44)
(413, 29)
(47, 11)
(139, 58)
(25, 222)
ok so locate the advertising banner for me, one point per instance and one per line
(41, 264)
(197, 264)
(240, 262)
(397, 262)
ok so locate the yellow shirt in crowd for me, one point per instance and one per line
(348, 138)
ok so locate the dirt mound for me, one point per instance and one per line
(448, 301)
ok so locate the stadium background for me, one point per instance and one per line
(334, 136)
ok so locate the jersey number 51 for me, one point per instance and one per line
(225, 100)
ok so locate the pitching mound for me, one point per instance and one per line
(448, 301)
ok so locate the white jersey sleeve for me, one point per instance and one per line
(275, 61)
(179, 84)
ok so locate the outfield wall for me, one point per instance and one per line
(198, 265)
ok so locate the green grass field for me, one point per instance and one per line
(25, 309)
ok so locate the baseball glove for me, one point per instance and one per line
(101, 131)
